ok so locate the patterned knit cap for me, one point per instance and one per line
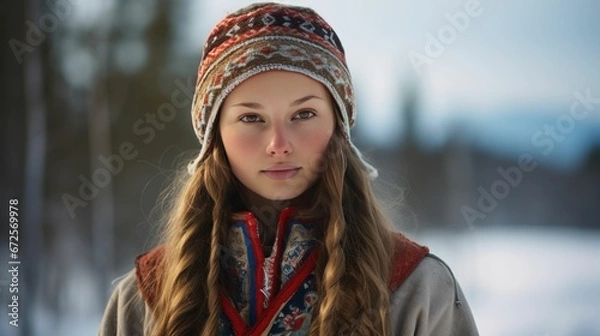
(263, 37)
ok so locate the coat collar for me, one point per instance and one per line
(252, 281)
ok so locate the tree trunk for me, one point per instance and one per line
(102, 208)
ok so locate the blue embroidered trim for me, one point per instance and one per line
(252, 263)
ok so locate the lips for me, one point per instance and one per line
(281, 172)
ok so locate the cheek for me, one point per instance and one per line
(318, 142)
(318, 139)
(238, 147)
(314, 147)
(237, 143)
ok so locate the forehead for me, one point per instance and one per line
(276, 85)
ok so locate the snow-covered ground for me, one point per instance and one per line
(518, 282)
(526, 281)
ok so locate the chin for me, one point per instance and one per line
(285, 196)
(280, 198)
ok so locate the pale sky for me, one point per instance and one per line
(510, 52)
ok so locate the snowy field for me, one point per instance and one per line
(519, 282)
(526, 282)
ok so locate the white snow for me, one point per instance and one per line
(524, 281)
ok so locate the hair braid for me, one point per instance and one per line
(354, 268)
(190, 306)
(219, 215)
(331, 289)
(175, 314)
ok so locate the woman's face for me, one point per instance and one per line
(275, 127)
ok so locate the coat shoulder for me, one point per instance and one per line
(148, 267)
(407, 255)
(125, 313)
(431, 302)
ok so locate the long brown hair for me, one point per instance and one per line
(352, 271)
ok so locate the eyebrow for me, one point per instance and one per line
(296, 102)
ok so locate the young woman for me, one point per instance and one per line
(276, 231)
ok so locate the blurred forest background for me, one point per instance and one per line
(482, 116)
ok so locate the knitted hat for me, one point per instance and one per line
(263, 37)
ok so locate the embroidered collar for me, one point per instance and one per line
(257, 285)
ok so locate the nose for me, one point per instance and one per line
(279, 142)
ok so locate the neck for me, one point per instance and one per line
(267, 212)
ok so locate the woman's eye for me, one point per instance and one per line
(304, 115)
(250, 118)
